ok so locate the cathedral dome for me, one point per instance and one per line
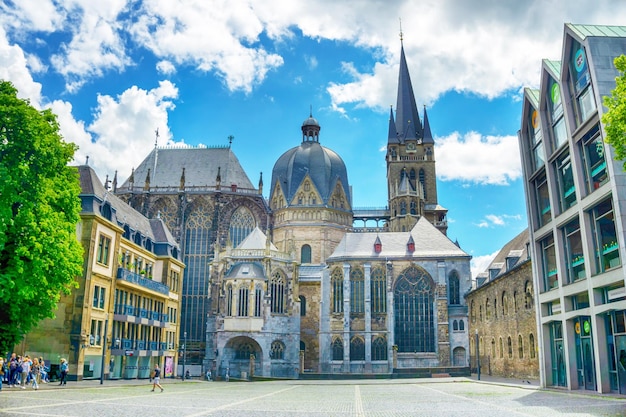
(324, 166)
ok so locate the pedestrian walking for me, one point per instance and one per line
(13, 361)
(157, 378)
(25, 366)
(35, 371)
(63, 368)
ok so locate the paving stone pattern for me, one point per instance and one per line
(380, 398)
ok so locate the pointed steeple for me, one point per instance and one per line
(115, 182)
(393, 134)
(408, 124)
(146, 186)
(261, 183)
(428, 136)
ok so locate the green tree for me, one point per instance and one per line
(40, 256)
(615, 118)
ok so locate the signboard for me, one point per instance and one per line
(129, 353)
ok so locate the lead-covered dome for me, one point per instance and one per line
(324, 166)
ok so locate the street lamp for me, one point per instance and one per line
(184, 352)
(104, 348)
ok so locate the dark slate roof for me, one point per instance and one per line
(93, 196)
(429, 243)
(201, 166)
(323, 165)
(516, 250)
(245, 270)
(408, 124)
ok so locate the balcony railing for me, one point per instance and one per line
(138, 279)
(129, 310)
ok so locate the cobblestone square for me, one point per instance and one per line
(380, 398)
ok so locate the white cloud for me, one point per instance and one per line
(14, 68)
(495, 220)
(166, 67)
(492, 220)
(123, 130)
(478, 159)
(35, 15)
(96, 45)
(212, 36)
(479, 264)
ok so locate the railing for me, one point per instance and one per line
(138, 189)
(129, 276)
(259, 253)
(130, 310)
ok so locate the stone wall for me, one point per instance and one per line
(497, 321)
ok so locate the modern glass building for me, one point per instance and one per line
(576, 201)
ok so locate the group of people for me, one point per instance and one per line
(20, 371)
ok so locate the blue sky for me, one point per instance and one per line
(114, 71)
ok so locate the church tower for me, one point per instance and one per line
(411, 176)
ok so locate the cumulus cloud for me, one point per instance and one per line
(123, 130)
(166, 67)
(15, 68)
(217, 36)
(478, 159)
(502, 220)
(479, 264)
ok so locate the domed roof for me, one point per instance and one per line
(311, 121)
(324, 166)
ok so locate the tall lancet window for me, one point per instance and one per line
(241, 224)
(277, 293)
(414, 315)
(423, 181)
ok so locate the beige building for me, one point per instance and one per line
(502, 315)
(123, 318)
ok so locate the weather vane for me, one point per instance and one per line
(401, 36)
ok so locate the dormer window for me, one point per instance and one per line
(410, 245)
(378, 246)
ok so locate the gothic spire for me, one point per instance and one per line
(428, 136)
(393, 134)
(408, 124)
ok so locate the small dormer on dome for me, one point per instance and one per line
(311, 130)
(378, 245)
(410, 245)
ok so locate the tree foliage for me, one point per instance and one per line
(40, 256)
(615, 118)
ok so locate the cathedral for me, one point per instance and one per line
(290, 286)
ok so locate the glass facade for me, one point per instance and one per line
(605, 237)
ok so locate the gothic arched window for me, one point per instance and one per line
(357, 291)
(229, 300)
(258, 301)
(402, 208)
(423, 181)
(302, 306)
(454, 294)
(357, 349)
(337, 348)
(413, 208)
(243, 351)
(378, 287)
(336, 283)
(528, 295)
(277, 350)
(379, 349)
(414, 317)
(242, 305)
(305, 254)
(277, 293)
(241, 224)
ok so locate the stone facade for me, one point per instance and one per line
(502, 313)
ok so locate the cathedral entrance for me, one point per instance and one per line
(242, 358)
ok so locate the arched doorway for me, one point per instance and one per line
(242, 357)
(459, 357)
